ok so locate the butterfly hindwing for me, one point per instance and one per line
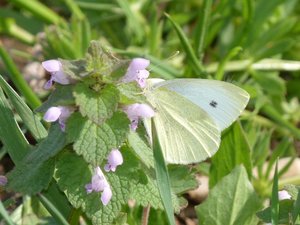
(187, 134)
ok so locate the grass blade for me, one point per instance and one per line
(274, 199)
(18, 79)
(202, 28)
(162, 176)
(30, 120)
(5, 215)
(53, 210)
(277, 117)
(10, 134)
(38, 10)
(296, 208)
(196, 65)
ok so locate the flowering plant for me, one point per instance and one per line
(95, 149)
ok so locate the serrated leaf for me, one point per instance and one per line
(234, 150)
(99, 61)
(97, 106)
(94, 141)
(62, 95)
(147, 194)
(35, 171)
(232, 201)
(72, 174)
(131, 93)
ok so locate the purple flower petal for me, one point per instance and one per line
(98, 184)
(3, 180)
(106, 195)
(60, 113)
(61, 78)
(137, 72)
(284, 195)
(139, 64)
(114, 159)
(136, 111)
(52, 114)
(48, 84)
(52, 65)
(55, 68)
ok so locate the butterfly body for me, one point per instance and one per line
(191, 114)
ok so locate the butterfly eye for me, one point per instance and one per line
(213, 103)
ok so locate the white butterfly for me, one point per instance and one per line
(191, 114)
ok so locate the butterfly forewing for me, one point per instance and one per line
(222, 101)
(187, 134)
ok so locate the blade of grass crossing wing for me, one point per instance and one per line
(10, 132)
(274, 199)
(195, 63)
(162, 176)
(30, 120)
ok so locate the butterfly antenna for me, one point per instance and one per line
(176, 53)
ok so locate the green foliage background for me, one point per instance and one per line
(251, 43)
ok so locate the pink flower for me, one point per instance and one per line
(54, 67)
(98, 184)
(114, 159)
(60, 113)
(137, 71)
(284, 195)
(136, 111)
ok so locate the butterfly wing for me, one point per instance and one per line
(223, 101)
(187, 134)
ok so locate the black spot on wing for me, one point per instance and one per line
(213, 104)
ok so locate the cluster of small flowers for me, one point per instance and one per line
(135, 72)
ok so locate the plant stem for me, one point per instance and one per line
(145, 217)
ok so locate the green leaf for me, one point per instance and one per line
(94, 141)
(73, 173)
(10, 133)
(35, 171)
(31, 121)
(234, 150)
(147, 194)
(130, 93)
(61, 96)
(232, 201)
(97, 106)
(162, 176)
